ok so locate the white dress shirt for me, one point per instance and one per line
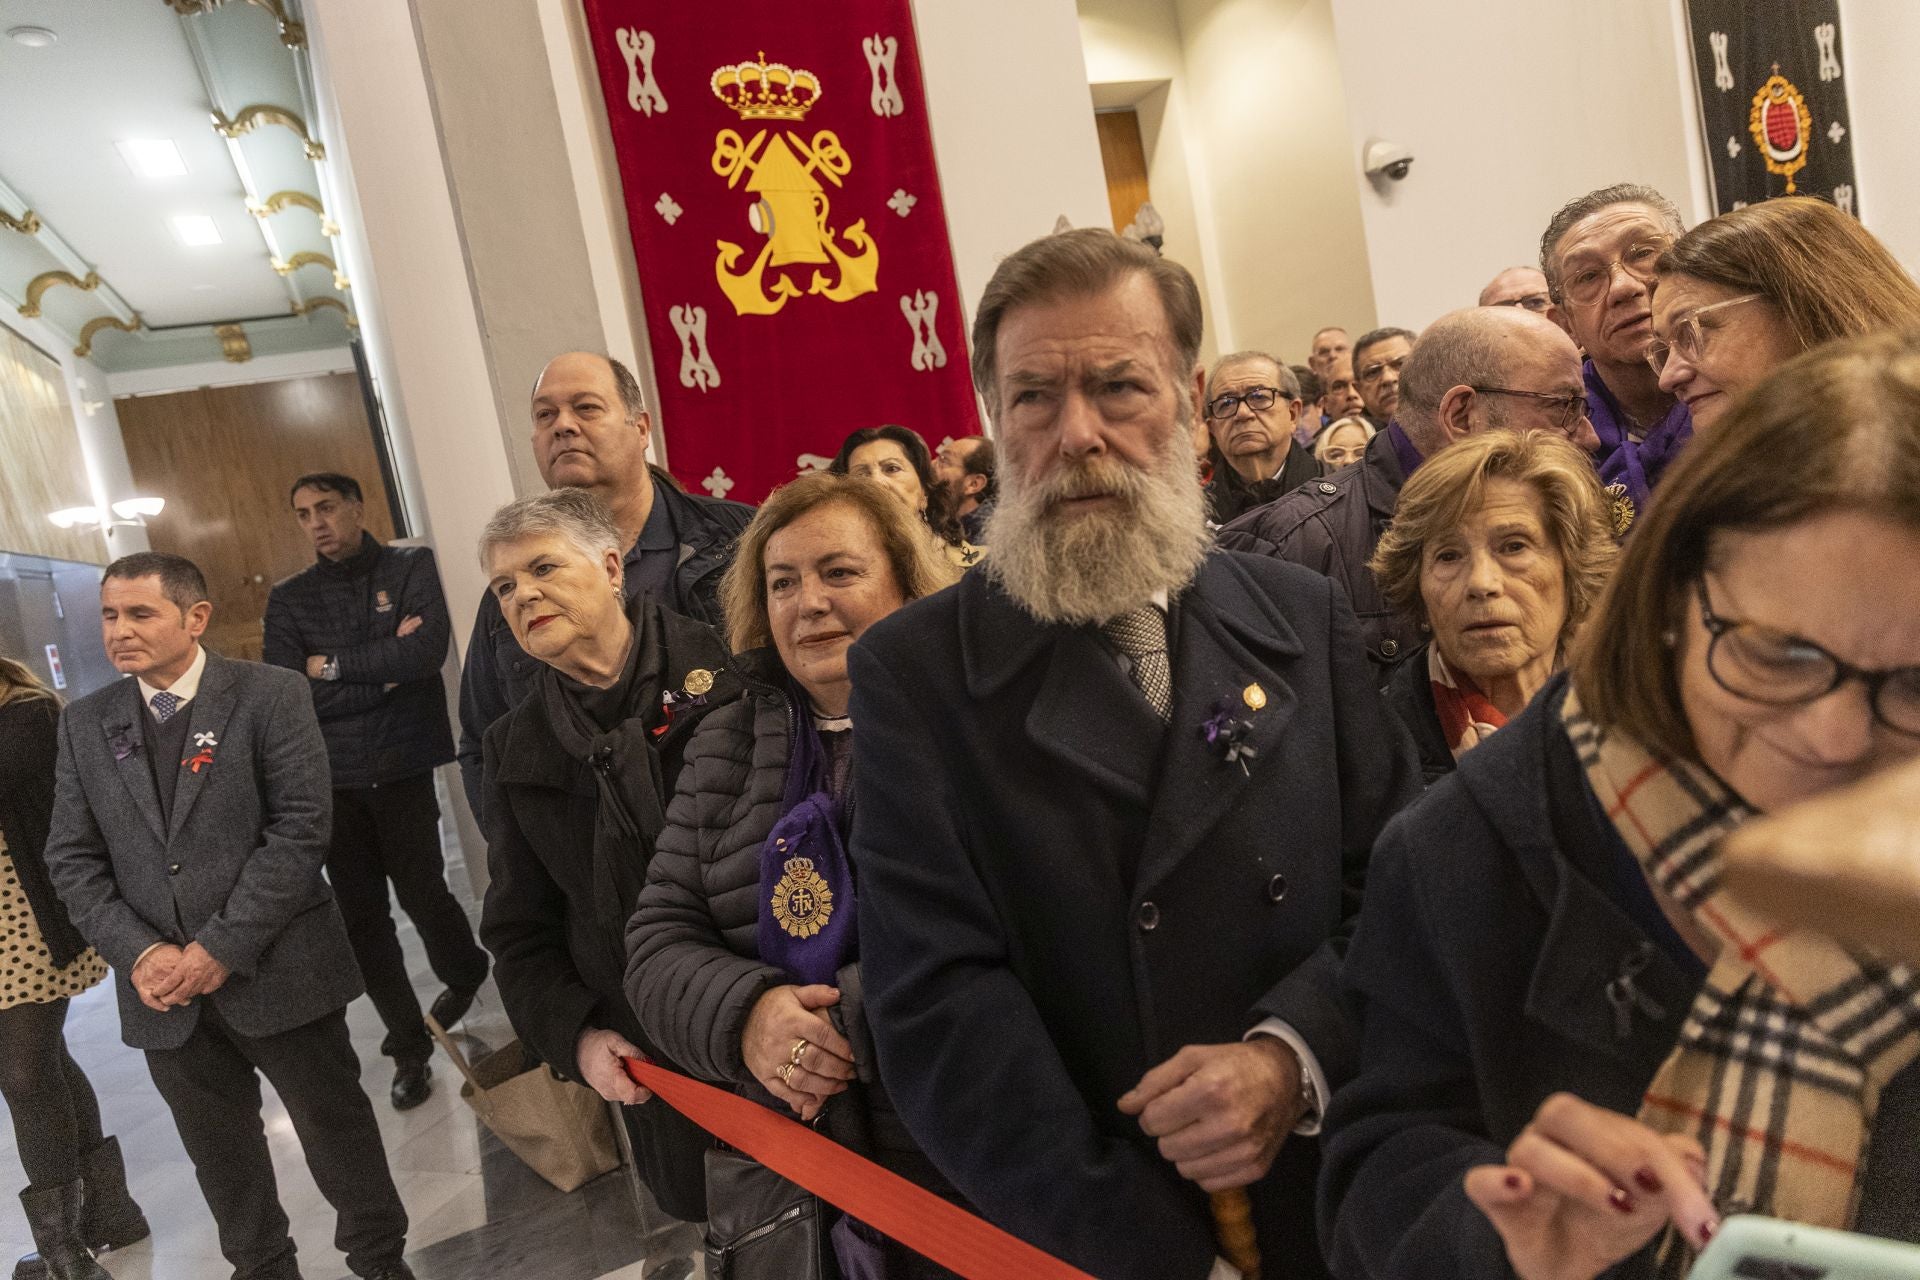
(184, 688)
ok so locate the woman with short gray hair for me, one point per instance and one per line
(576, 779)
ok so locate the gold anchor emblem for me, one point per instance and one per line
(792, 208)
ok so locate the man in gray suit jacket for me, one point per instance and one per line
(189, 828)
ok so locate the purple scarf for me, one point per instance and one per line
(806, 878)
(1634, 466)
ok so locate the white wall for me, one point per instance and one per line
(1881, 43)
(1511, 107)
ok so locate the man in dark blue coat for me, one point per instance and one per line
(367, 625)
(1114, 797)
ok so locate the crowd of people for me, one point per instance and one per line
(1285, 819)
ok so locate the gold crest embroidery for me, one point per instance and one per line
(802, 901)
(1620, 509)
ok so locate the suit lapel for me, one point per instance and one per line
(1230, 638)
(206, 732)
(126, 731)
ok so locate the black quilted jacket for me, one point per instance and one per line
(385, 718)
(693, 974)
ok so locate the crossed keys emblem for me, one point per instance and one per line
(881, 52)
(1722, 70)
(696, 366)
(643, 91)
(791, 212)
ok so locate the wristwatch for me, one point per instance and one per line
(330, 669)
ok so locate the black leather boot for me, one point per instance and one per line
(111, 1219)
(53, 1216)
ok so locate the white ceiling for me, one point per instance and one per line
(124, 69)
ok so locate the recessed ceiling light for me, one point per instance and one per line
(33, 37)
(195, 229)
(152, 157)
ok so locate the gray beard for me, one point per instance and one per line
(1085, 568)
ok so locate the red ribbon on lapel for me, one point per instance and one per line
(882, 1199)
(205, 757)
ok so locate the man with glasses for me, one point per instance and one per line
(1252, 405)
(1339, 394)
(1598, 255)
(1377, 360)
(1523, 287)
(1475, 370)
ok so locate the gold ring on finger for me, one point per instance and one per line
(799, 1047)
(786, 1075)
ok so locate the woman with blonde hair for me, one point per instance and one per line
(76, 1199)
(742, 955)
(1741, 294)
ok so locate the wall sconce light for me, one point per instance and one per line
(132, 512)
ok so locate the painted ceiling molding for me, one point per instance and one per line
(293, 34)
(314, 304)
(233, 343)
(282, 199)
(38, 286)
(251, 118)
(27, 224)
(84, 347)
(304, 258)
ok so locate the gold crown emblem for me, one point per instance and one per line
(766, 90)
(799, 867)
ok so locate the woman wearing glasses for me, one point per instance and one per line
(1741, 294)
(1578, 1054)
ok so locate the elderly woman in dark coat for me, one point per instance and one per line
(576, 780)
(1499, 549)
(742, 962)
(1579, 1051)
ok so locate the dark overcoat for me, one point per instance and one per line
(1331, 525)
(28, 745)
(235, 868)
(1058, 892)
(1409, 692)
(1496, 964)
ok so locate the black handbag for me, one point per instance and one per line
(760, 1226)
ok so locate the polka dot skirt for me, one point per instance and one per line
(27, 971)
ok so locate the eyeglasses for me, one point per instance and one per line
(1258, 399)
(1572, 405)
(1689, 342)
(1589, 282)
(1378, 369)
(1534, 302)
(1776, 669)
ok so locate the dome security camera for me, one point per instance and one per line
(1386, 159)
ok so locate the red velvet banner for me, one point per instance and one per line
(788, 227)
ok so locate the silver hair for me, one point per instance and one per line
(1588, 205)
(574, 514)
(1288, 380)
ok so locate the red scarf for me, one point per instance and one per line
(1467, 718)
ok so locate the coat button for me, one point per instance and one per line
(1326, 487)
(1390, 648)
(1148, 917)
(174, 869)
(1276, 888)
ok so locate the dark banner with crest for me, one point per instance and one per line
(788, 227)
(1773, 100)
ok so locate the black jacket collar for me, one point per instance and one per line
(361, 562)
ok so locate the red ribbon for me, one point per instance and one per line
(205, 757)
(884, 1200)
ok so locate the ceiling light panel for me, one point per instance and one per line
(152, 157)
(196, 230)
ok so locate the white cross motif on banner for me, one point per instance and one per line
(881, 51)
(719, 484)
(811, 462)
(696, 366)
(902, 203)
(1837, 132)
(919, 310)
(666, 207)
(1823, 35)
(1733, 146)
(643, 94)
(1722, 73)
(1843, 197)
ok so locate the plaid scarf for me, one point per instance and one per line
(1781, 1061)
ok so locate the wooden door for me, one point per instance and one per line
(1124, 157)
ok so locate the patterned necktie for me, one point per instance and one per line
(164, 705)
(1141, 634)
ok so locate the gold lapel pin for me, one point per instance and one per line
(1254, 696)
(699, 681)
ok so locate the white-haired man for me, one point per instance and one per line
(1107, 830)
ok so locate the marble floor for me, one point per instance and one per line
(477, 1212)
